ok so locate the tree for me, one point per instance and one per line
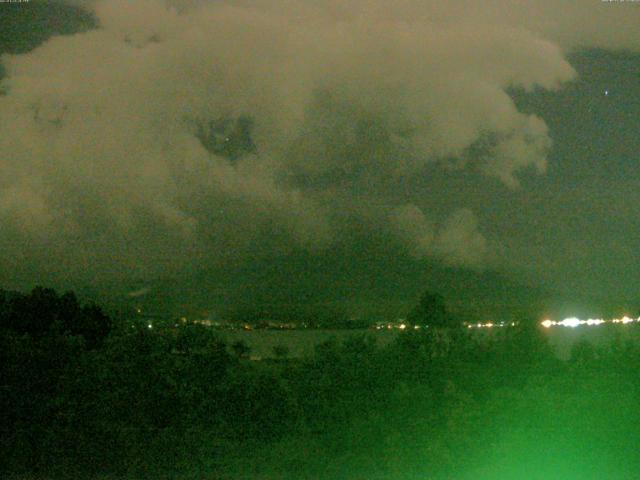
(281, 352)
(241, 349)
(43, 313)
(431, 310)
(93, 324)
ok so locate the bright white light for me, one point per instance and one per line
(570, 322)
(575, 322)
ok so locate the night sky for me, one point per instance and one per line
(214, 153)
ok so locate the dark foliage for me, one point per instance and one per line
(44, 313)
(431, 310)
(176, 402)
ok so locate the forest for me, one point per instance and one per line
(84, 395)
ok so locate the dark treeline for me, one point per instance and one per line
(85, 396)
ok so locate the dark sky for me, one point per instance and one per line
(221, 153)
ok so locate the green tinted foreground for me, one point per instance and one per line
(585, 429)
(178, 403)
(578, 428)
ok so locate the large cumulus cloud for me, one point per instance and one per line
(176, 134)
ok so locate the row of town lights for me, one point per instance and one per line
(576, 322)
(491, 325)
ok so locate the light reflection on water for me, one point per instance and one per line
(563, 339)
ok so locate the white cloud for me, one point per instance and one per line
(100, 129)
(412, 227)
(459, 242)
(456, 242)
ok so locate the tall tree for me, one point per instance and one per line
(431, 310)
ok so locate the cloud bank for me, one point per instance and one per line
(176, 135)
